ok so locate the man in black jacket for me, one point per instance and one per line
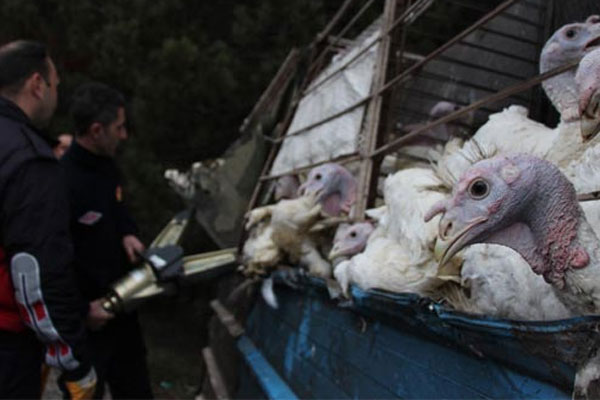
(104, 236)
(38, 296)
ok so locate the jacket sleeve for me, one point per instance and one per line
(36, 236)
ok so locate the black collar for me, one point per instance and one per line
(81, 155)
(12, 111)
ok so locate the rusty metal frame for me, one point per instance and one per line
(592, 196)
(318, 63)
(226, 317)
(289, 65)
(282, 126)
(451, 42)
(215, 376)
(336, 18)
(408, 15)
(264, 178)
(510, 91)
(404, 75)
(345, 159)
(373, 114)
(369, 156)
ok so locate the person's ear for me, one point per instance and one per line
(35, 85)
(96, 130)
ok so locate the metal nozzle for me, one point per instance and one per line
(143, 283)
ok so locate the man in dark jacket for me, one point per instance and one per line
(38, 296)
(104, 236)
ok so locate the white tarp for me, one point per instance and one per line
(339, 136)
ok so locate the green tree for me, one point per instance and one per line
(192, 71)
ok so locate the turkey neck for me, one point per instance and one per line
(582, 285)
(562, 91)
(556, 240)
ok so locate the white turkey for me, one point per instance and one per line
(407, 191)
(588, 87)
(398, 255)
(350, 239)
(427, 147)
(509, 289)
(584, 172)
(283, 229)
(527, 204)
(286, 187)
(511, 131)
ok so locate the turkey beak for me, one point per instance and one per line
(300, 191)
(439, 249)
(316, 196)
(453, 238)
(334, 253)
(589, 109)
(589, 128)
(313, 195)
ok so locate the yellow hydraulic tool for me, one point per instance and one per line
(165, 268)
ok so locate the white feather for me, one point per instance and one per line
(268, 294)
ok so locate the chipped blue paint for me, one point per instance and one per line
(297, 343)
(504, 326)
(387, 345)
(303, 331)
(507, 327)
(289, 355)
(271, 383)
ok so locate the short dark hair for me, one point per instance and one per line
(19, 60)
(95, 102)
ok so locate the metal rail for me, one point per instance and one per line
(281, 127)
(486, 18)
(336, 18)
(404, 75)
(460, 82)
(319, 59)
(592, 196)
(340, 160)
(480, 105)
(452, 60)
(437, 97)
(408, 13)
(422, 33)
(281, 78)
(509, 36)
(487, 100)
(375, 114)
(443, 18)
(324, 120)
(476, 5)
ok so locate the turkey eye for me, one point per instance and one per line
(571, 33)
(479, 189)
(318, 177)
(352, 234)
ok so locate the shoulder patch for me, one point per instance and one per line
(90, 218)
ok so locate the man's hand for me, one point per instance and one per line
(131, 244)
(97, 316)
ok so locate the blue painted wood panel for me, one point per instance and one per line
(270, 381)
(325, 351)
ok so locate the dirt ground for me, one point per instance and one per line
(175, 332)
